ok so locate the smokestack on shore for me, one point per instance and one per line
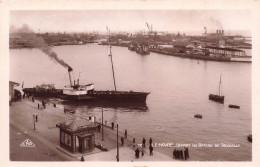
(69, 70)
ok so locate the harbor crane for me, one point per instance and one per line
(150, 29)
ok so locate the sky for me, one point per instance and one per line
(184, 21)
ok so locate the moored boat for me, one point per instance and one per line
(233, 106)
(217, 97)
(198, 116)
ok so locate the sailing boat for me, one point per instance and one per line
(218, 98)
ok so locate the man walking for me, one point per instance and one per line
(122, 141)
(112, 124)
(151, 150)
(143, 142)
(125, 133)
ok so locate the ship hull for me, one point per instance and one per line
(216, 98)
(118, 96)
(114, 96)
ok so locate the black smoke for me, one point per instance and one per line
(36, 41)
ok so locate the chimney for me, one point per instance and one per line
(69, 70)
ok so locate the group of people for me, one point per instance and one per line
(137, 151)
(35, 118)
(179, 154)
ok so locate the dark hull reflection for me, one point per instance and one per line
(108, 104)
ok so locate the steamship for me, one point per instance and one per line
(77, 92)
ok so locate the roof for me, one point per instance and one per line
(76, 123)
(226, 49)
(13, 83)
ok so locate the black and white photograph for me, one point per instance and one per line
(130, 85)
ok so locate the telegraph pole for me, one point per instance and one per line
(117, 157)
(102, 126)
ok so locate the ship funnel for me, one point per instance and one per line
(69, 70)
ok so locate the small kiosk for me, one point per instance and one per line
(77, 135)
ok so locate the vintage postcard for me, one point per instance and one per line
(138, 84)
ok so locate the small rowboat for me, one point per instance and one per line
(233, 106)
(198, 116)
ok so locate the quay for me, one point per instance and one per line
(200, 56)
(46, 138)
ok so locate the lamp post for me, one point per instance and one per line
(33, 122)
(117, 156)
(102, 126)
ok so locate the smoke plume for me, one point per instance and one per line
(38, 42)
(216, 22)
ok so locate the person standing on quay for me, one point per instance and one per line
(122, 141)
(150, 141)
(137, 153)
(134, 142)
(112, 124)
(151, 149)
(142, 150)
(143, 142)
(174, 154)
(125, 133)
(181, 154)
(188, 156)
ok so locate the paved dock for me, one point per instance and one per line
(46, 137)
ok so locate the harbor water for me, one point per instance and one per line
(179, 89)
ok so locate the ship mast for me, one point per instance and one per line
(219, 86)
(110, 54)
(205, 39)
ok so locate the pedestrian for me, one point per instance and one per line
(99, 127)
(143, 142)
(133, 142)
(36, 118)
(187, 150)
(54, 105)
(137, 153)
(142, 150)
(122, 141)
(151, 150)
(181, 152)
(125, 133)
(177, 154)
(150, 141)
(112, 124)
(82, 158)
(174, 154)
(38, 106)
